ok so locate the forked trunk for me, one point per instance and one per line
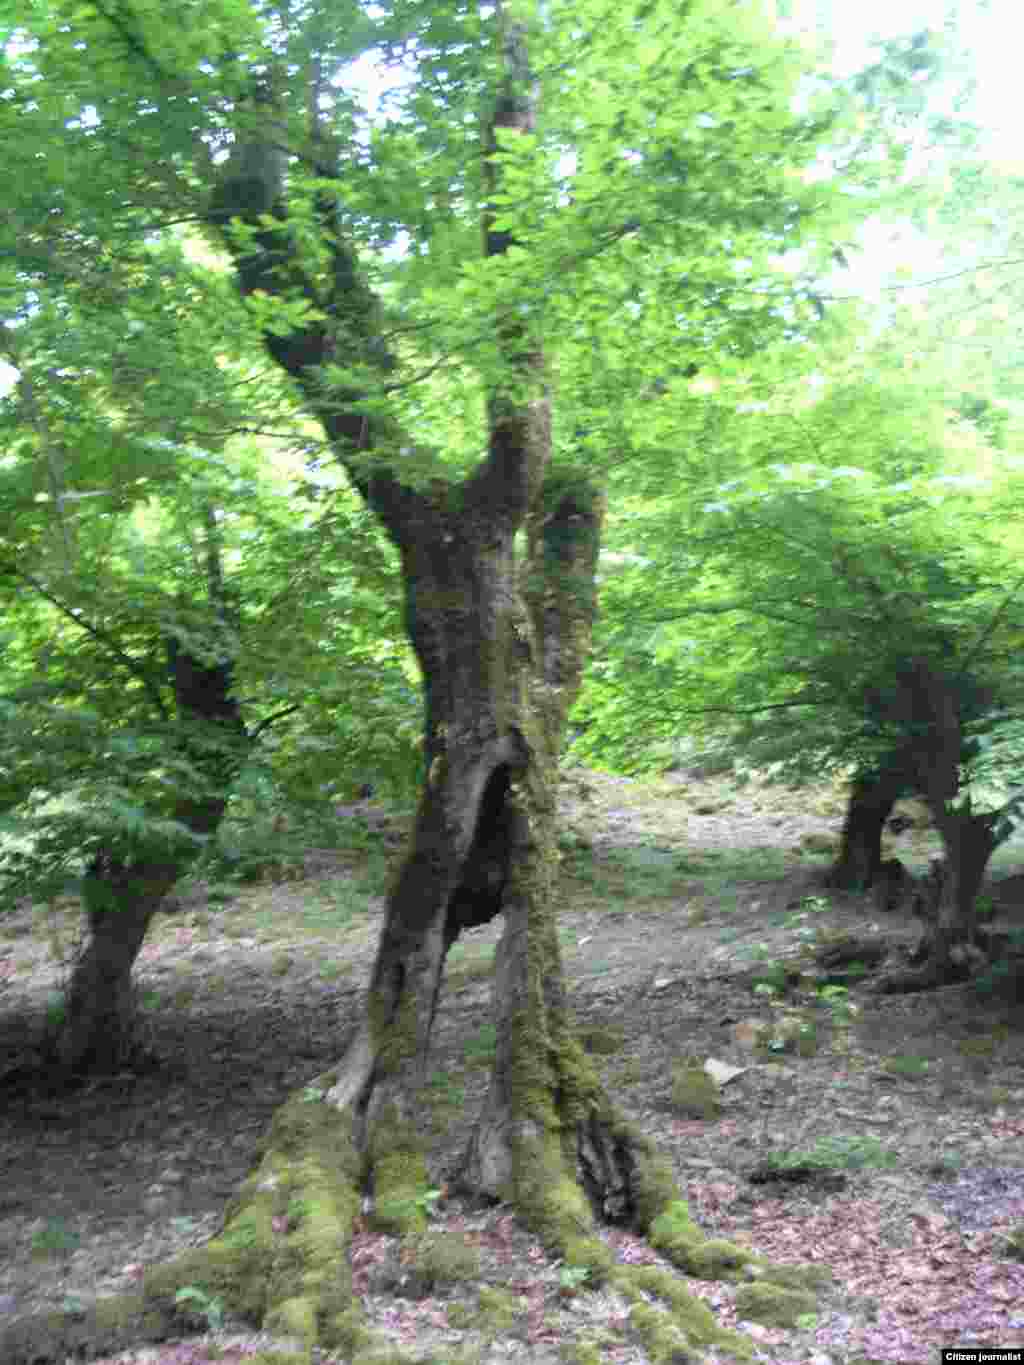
(502, 646)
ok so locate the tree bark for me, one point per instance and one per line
(966, 838)
(97, 1028)
(872, 797)
(926, 704)
(502, 646)
(968, 842)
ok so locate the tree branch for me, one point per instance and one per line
(272, 719)
(751, 710)
(994, 623)
(100, 636)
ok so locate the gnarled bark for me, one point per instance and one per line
(484, 844)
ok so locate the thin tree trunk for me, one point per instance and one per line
(926, 701)
(97, 1028)
(122, 890)
(872, 797)
(968, 841)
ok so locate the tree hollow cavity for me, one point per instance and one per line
(480, 894)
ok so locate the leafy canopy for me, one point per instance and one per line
(150, 448)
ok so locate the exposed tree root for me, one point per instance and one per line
(281, 1263)
(932, 974)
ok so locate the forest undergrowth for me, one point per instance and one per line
(880, 1137)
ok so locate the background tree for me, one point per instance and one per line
(127, 559)
(884, 619)
(133, 667)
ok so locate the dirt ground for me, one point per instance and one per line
(885, 1141)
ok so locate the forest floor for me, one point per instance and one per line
(885, 1140)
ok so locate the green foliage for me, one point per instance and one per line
(210, 1307)
(836, 1153)
(435, 1259)
(54, 1238)
(831, 578)
(159, 476)
(91, 753)
(694, 1093)
(825, 514)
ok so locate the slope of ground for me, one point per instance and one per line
(881, 1136)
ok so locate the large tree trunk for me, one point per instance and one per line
(872, 797)
(502, 647)
(501, 639)
(122, 889)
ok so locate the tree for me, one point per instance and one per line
(138, 733)
(130, 643)
(884, 617)
(684, 186)
(161, 601)
(154, 656)
(500, 636)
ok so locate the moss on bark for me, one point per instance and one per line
(773, 1305)
(681, 1325)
